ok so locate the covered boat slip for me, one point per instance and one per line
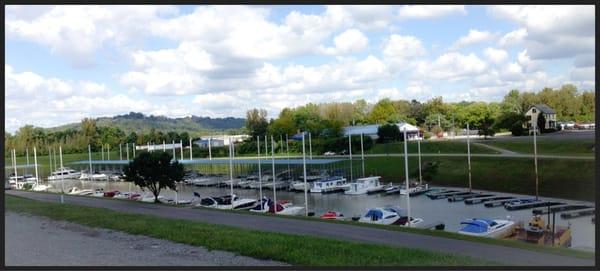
(242, 166)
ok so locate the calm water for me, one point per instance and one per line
(451, 213)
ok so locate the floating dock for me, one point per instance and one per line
(501, 202)
(578, 213)
(486, 199)
(529, 205)
(559, 208)
(446, 194)
(467, 196)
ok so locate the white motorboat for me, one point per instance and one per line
(365, 185)
(98, 192)
(40, 187)
(78, 191)
(414, 190)
(96, 176)
(283, 207)
(225, 202)
(329, 185)
(493, 228)
(64, 173)
(388, 216)
(150, 198)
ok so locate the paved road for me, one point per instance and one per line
(39, 241)
(315, 228)
(500, 150)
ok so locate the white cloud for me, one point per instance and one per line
(78, 32)
(349, 41)
(430, 11)
(474, 36)
(552, 31)
(451, 66)
(401, 51)
(363, 16)
(495, 55)
(583, 74)
(513, 38)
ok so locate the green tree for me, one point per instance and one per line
(388, 132)
(256, 122)
(486, 127)
(383, 112)
(131, 138)
(154, 171)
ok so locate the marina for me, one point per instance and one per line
(431, 211)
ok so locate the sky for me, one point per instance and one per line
(64, 63)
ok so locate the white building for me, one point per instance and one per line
(158, 147)
(219, 141)
(412, 132)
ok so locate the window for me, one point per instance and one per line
(533, 110)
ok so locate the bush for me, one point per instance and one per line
(27, 186)
(388, 132)
(427, 135)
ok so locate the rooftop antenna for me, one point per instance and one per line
(406, 179)
(259, 173)
(304, 170)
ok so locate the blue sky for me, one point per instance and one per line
(64, 63)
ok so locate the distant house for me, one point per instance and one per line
(533, 113)
(412, 132)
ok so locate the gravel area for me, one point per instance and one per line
(38, 241)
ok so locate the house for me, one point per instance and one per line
(412, 132)
(533, 113)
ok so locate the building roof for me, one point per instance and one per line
(361, 129)
(544, 108)
(409, 127)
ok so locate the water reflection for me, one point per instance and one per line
(583, 231)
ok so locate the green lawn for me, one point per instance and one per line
(429, 147)
(562, 178)
(293, 249)
(546, 146)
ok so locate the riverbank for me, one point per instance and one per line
(303, 227)
(292, 249)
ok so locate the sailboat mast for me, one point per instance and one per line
(231, 172)
(62, 179)
(362, 155)
(90, 161)
(419, 149)
(535, 158)
(469, 155)
(304, 170)
(273, 175)
(37, 178)
(406, 178)
(350, 152)
(309, 146)
(259, 173)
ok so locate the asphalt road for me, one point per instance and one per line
(337, 231)
(39, 241)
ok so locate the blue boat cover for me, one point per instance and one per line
(476, 225)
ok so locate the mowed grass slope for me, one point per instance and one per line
(428, 147)
(581, 147)
(562, 178)
(293, 249)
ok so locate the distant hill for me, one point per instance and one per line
(136, 122)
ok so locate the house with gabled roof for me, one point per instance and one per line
(535, 111)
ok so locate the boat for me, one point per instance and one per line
(78, 191)
(225, 202)
(284, 207)
(365, 185)
(388, 216)
(40, 187)
(111, 194)
(98, 192)
(415, 190)
(329, 185)
(492, 228)
(126, 195)
(96, 176)
(149, 197)
(332, 215)
(537, 232)
(64, 173)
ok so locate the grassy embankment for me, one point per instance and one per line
(573, 147)
(293, 249)
(562, 178)
(429, 147)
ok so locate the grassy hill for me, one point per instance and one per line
(135, 122)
